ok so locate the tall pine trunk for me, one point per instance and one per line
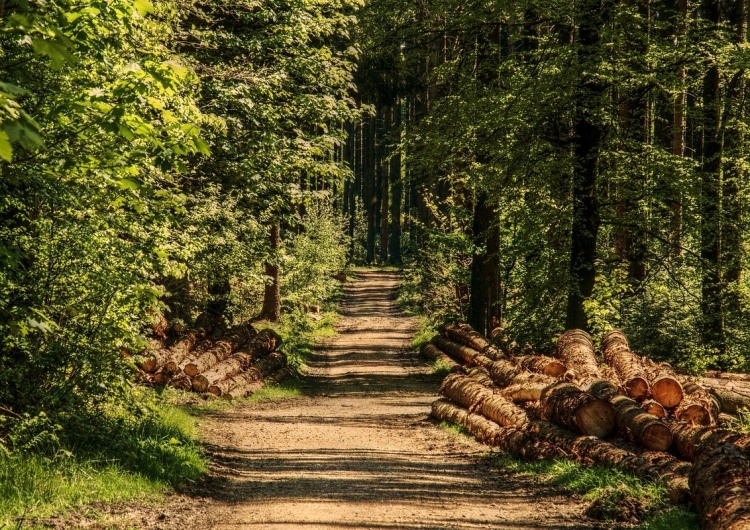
(712, 311)
(734, 139)
(397, 190)
(593, 15)
(678, 131)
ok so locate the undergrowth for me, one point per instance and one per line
(424, 334)
(115, 454)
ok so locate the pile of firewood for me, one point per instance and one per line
(617, 410)
(234, 365)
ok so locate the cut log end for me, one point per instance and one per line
(596, 418)
(657, 437)
(667, 391)
(555, 369)
(695, 414)
(654, 408)
(637, 388)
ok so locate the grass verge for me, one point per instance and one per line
(613, 495)
(117, 454)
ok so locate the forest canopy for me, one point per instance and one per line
(534, 166)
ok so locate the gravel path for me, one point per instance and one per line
(359, 451)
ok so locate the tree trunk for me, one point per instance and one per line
(432, 353)
(698, 406)
(397, 187)
(720, 483)
(271, 310)
(654, 408)
(541, 364)
(592, 16)
(369, 177)
(733, 174)
(678, 132)
(712, 311)
(462, 354)
(485, 267)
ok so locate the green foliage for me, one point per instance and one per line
(300, 332)
(313, 256)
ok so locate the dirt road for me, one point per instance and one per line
(359, 451)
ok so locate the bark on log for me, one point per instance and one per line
(731, 402)
(220, 351)
(698, 406)
(665, 388)
(247, 390)
(691, 440)
(567, 405)
(527, 386)
(541, 364)
(481, 375)
(233, 365)
(513, 440)
(462, 354)
(465, 335)
(174, 363)
(503, 372)
(257, 372)
(155, 360)
(474, 396)
(433, 353)
(633, 422)
(720, 483)
(654, 408)
(576, 350)
(617, 354)
(465, 391)
(730, 376)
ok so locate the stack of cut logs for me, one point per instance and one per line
(235, 365)
(627, 412)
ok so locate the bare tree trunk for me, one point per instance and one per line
(397, 187)
(588, 136)
(272, 297)
(678, 132)
(712, 310)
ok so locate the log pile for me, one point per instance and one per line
(234, 365)
(617, 409)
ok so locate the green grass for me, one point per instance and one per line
(424, 334)
(441, 368)
(115, 455)
(454, 429)
(289, 389)
(613, 495)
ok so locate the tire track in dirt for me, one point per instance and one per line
(359, 451)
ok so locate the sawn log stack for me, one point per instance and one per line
(618, 410)
(234, 365)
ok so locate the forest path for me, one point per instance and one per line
(358, 451)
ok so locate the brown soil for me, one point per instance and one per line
(358, 451)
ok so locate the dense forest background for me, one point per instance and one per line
(535, 166)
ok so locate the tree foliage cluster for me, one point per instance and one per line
(563, 164)
(148, 149)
